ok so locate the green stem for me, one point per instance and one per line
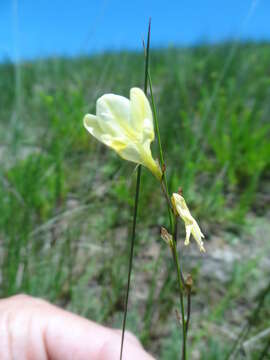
(146, 66)
(180, 288)
(156, 120)
(131, 255)
(164, 182)
(173, 225)
(170, 209)
(188, 309)
(136, 203)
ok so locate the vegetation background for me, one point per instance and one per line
(66, 200)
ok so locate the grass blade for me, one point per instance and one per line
(133, 234)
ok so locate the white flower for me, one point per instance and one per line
(191, 224)
(126, 126)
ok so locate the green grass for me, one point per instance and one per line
(66, 200)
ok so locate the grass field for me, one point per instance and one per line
(66, 200)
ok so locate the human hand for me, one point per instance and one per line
(32, 329)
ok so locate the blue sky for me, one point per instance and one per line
(37, 28)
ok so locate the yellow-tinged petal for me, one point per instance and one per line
(114, 112)
(126, 126)
(130, 152)
(141, 114)
(191, 225)
(91, 123)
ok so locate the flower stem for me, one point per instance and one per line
(173, 226)
(164, 182)
(136, 202)
(180, 282)
(188, 309)
(131, 255)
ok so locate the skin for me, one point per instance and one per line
(32, 329)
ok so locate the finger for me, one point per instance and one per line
(38, 330)
(86, 340)
(131, 351)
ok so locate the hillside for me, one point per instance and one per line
(66, 200)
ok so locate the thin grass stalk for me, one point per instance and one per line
(188, 309)
(163, 166)
(265, 351)
(173, 226)
(252, 318)
(133, 234)
(180, 282)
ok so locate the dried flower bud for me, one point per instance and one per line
(163, 168)
(166, 236)
(180, 191)
(189, 281)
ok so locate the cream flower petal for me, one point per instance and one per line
(191, 224)
(188, 233)
(130, 152)
(112, 110)
(116, 143)
(115, 109)
(91, 123)
(141, 114)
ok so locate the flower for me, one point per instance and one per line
(191, 225)
(126, 126)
